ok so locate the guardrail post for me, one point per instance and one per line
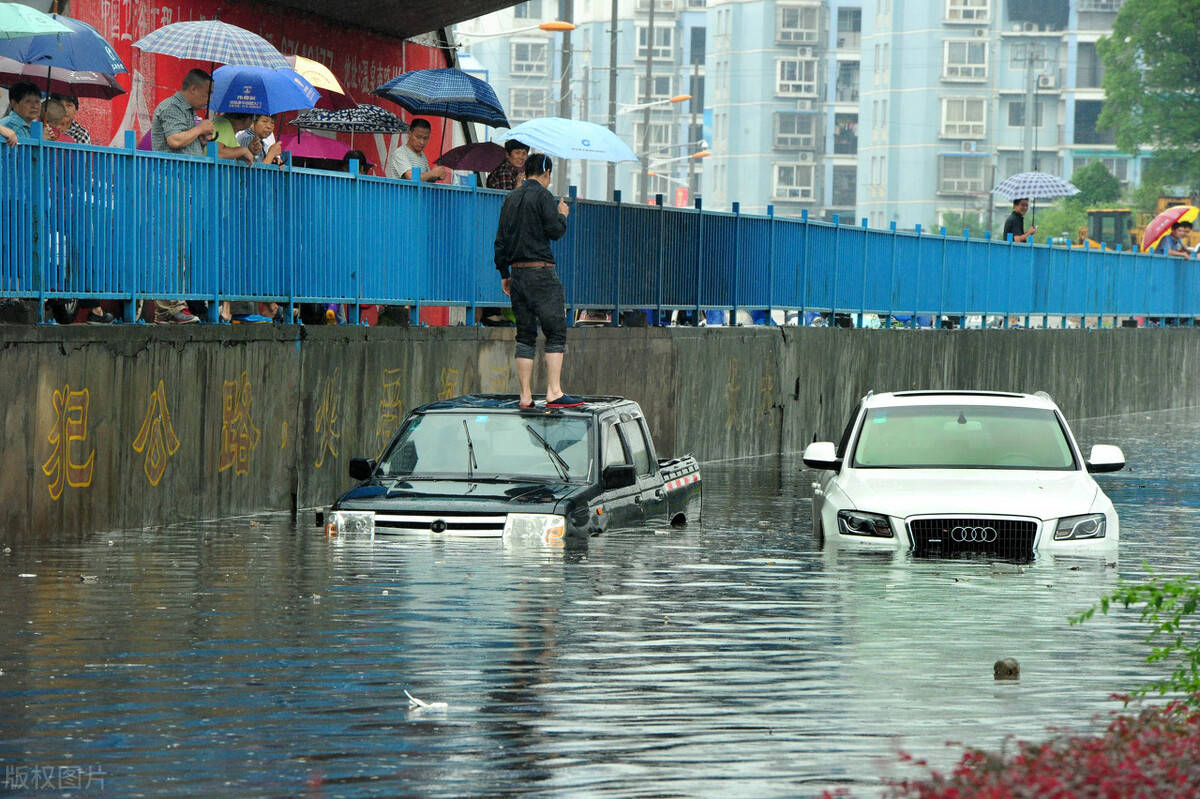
(892, 275)
(837, 263)
(917, 282)
(987, 280)
(422, 235)
(770, 264)
(290, 226)
(472, 270)
(354, 312)
(699, 254)
(967, 283)
(737, 219)
(862, 303)
(807, 260)
(616, 316)
(214, 262)
(41, 233)
(937, 318)
(658, 202)
(573, 193)
(130, 254)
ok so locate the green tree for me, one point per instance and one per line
(1097, 186)
(954, 223)
(1063, 218)
(1151, 71)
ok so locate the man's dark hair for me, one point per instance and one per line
(537, 165)
(20, 90)
(1020, 200)
(355, 155)
(1181, 223)
(513, 144)
(420, 123)
(66, 98)
(197, 77)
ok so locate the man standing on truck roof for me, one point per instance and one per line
(529, 221)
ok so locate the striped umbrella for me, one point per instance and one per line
(446, 92)
(214, 41)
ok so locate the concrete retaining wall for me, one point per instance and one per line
(125, 427)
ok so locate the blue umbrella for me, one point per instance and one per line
(569, 138)
(258, 90)
(80, 49)
(214, 41)
(363, 119)
(446, 92)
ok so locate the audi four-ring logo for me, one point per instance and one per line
(972, 535)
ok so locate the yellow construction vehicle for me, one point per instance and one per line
(1113, 226)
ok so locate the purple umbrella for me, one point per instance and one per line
(312, 146)
(481, 156)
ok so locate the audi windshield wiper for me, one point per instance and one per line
(472, 464)
(559, 464)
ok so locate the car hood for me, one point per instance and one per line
(449, 494)
(923, 492)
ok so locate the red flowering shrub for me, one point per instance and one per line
(1154, 754)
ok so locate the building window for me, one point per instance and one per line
(529, 58)
(659, 5)
(847, 82)
(1101, 5)
(525, 104)
(660, 138)
(968, 10)
(796, 77)
(664, 41)
(849, 28)
(1016, 114)
(1090, 74)
(793, 181)
(697, 53)
(1117, 167)
(797, 24)
(844, 179)
(964, 117)
(965, 60)
(845, 134)
(1087, 113)
(660, 88)
(795, 130)
(532, 9)
(696, 3)
(960, 174)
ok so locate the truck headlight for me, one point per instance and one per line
(1091, 525)
(856, 522)
(343, 523)
(546, 526)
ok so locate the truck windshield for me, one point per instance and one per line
(440, 445)
(962, 437)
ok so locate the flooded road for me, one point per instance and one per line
(255, 658)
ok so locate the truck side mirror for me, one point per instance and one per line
(362, 468)
(620, 476)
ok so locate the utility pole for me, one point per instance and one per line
(566, 13)
(643, 184)
(1033, 55)
(695, 101)
(612, 97)
(583, 114)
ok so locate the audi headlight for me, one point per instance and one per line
(546, 526)
(856, 522)
(1091, 525)
(343, 523)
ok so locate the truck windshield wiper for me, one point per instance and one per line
(559, 464)
(472, 464)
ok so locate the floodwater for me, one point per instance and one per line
(255, 658)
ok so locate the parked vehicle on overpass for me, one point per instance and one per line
(962, 472)
(478, 466)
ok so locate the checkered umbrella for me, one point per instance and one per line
(446, 92)
(1034, 185)
(215, 41)
(362, 119)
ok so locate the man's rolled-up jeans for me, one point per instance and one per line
(537, 298)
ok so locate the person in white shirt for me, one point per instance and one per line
(410, 155)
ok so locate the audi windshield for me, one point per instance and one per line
(962, 437)
(481, 445)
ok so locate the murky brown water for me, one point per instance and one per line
(254, 658)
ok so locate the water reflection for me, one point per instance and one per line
(256, 657)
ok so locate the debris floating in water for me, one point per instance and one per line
(421, 704)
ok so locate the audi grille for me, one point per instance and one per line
(1005, 538)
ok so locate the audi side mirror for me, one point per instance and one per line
(822, 455)
(1105, 458)
(362, 468)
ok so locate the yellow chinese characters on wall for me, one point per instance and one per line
(391, 404)
(156, 438)
(239, 436)
(327, 423)
(70, 426)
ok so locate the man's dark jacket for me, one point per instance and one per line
(529, 221)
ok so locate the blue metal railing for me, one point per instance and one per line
(117, 223)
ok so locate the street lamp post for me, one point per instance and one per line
(566, 12)
(611, 182)
(646, 95)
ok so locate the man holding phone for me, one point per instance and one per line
(529, 220)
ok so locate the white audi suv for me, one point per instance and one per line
(962, 472)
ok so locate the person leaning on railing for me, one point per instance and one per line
(24, 105)
(174, 129)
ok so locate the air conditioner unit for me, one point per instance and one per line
(1029, 27)
(804, 105)
(967, 146)
(804, 157)
(804, 52)
(1046, 81)
(979, 33)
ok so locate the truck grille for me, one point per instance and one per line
(468, 525)
(1005, 538)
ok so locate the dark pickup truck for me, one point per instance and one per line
(477, 466)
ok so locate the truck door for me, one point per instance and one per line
(652, 495)
(620, 504)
